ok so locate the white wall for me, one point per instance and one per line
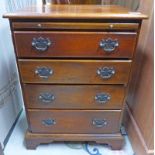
(11, 101)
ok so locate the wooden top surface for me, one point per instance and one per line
(74, 12)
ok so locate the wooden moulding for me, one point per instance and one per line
(75, 12)
(115, 141)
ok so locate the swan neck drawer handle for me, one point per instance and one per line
(43, 72)
(102, 98)
(106, 72)
(48, 122)
(41, 44)
(109, 45)
(99, 123)
(46, 97)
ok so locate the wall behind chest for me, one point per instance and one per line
(140, 98)
(11, 102)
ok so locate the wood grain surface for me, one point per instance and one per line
(75, 11)
(114, 141)
(74, 71)
(73, 96)
(75, 26)
(140, 98)
(75, 61)
(74, 121)
(75, 44)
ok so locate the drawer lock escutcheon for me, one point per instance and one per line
(46, 97)
(41, 44)
(102, 98)
(48, 122)
(99, 123)
(106, 72)
(109, 45)
(44, 72)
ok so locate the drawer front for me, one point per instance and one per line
(83, 121)
(75, 44)
(74, 26)
(74, 96)
(74, 71)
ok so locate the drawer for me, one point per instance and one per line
(74, 96)
(74, 71)
(83, 121)
(74, 26)
(75, 44)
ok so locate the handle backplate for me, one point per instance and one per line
(102, 98)
(48, 122)
(109, 45)
(106, 72)
(46, 97)
(99, 123)
(43, 72)
(41, 44)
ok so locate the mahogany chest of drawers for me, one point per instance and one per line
(75, 65)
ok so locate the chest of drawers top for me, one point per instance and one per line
(75, 12)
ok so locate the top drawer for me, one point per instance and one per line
(75, 44)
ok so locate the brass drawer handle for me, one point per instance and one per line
(106, 72)
(44, 72)
(102, 98)
(109, 45)
(99, 123)
(41, 44)
(48, 122)
(46, 97)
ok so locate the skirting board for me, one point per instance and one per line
(11, 130)
(135, 136)
(1, 150)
